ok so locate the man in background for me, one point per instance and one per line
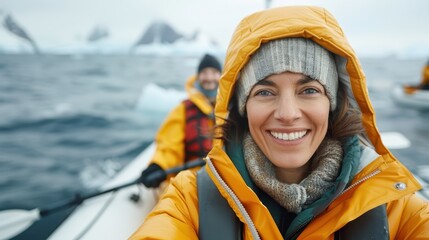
(186, 134)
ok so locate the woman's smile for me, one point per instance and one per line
(291, 136)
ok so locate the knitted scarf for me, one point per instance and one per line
(325, 165)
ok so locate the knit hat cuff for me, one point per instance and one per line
(298, 55)
(209, 61)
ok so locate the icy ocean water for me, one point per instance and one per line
(69, 123)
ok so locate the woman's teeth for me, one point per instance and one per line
(288, 136)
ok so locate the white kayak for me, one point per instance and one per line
(113, 215)
(418, 99)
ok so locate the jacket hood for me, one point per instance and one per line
(313, 23)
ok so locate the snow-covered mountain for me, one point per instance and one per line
(159, 38)
(159, 32)
(14, 36)
(98, 33)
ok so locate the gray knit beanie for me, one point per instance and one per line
(298, 55)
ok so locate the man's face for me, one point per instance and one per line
(209, 78)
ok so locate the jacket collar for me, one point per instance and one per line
(197, 97)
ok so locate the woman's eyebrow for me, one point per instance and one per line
(306, 79)
(265, 82)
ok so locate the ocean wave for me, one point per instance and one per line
(93, 72)
(58, 124)
(97, 173)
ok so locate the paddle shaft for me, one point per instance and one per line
(79, 198)
(174, 170)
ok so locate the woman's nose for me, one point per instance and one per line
(287, 109)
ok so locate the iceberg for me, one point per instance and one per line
(157, 100)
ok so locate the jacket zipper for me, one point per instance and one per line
(372, 174)
(234, 197)
(299, 228)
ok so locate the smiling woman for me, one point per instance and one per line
(298, 154)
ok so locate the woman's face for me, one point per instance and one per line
(288, 118)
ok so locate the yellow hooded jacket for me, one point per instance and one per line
(170, 139)
(176, 215)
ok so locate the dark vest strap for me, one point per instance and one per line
(216, 218)
(371, 225)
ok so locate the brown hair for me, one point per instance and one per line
(346, 120)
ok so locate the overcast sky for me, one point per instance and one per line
(373, 27)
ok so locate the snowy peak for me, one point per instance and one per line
(98, 33)
(161, 38)
(159, 32)
(16, 33)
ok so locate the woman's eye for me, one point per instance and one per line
(263, 93)
(311, 91)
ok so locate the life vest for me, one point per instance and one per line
(215, 213)
(198, 136)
